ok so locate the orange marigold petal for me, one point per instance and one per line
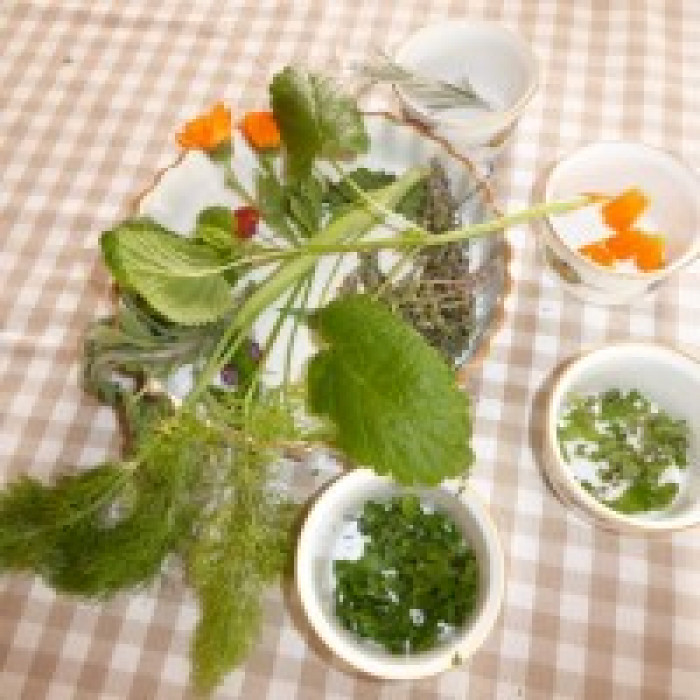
(621, 212)
(261, 130)
(598, 253)
(220, 122)
(207, 131)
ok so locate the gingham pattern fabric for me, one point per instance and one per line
(91, 94)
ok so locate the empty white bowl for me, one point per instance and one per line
(669, 378)
(611, 168)
(319, 539)
(497, 62)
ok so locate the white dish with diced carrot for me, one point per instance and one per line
(644, 227)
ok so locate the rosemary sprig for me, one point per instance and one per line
(434, 93)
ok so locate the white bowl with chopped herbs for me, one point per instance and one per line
(623, 437)
(399, 582)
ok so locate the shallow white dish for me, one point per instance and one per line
(611, 168)
(665, 375)
(313, 568)
(497, 62)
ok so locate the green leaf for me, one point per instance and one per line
(315, 120)
(341, 194)
(179, 277)
(135, 342)
(643, 496)
(395, 403)
(215, 226)
(94, 532)
(272, 201)
(305, 205)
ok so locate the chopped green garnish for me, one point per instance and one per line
(631, 442)
(417, 577)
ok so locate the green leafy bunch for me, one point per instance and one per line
(197, 480)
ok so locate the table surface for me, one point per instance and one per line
(91, 94)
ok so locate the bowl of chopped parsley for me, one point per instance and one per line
(399, 582)
(623, 437)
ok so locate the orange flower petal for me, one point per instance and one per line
(207, 131)
(621, 212)
(261, 130)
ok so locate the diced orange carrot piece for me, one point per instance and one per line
(598, 253)
(651, 253)
(621, 212)
(623, 244)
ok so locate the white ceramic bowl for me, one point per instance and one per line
(611, 168)
(498, 63)
(665, 375)
(314, 565)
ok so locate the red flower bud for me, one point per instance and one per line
(246, 222)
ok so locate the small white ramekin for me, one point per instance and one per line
(497, 62)
(611, 167)
(345, 498)
(665, 375)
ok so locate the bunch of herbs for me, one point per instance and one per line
(196, 480)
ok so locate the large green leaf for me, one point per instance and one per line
(315, 120)
(395, 403)
(180, 278)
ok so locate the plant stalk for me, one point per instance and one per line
(353, 224)
(417, 238)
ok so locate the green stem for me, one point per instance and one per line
(354, 223)
(307, 284)
(417, 238)
(274, 334)
(235, 184)
(393, 273)
(384, 212)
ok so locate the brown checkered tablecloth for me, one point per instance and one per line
(91, 94)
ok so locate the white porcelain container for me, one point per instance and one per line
(314, 579)
(497, 62)
(669, 378)
(611, 168)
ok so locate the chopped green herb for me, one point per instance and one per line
(631, 442)
(417, 577)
